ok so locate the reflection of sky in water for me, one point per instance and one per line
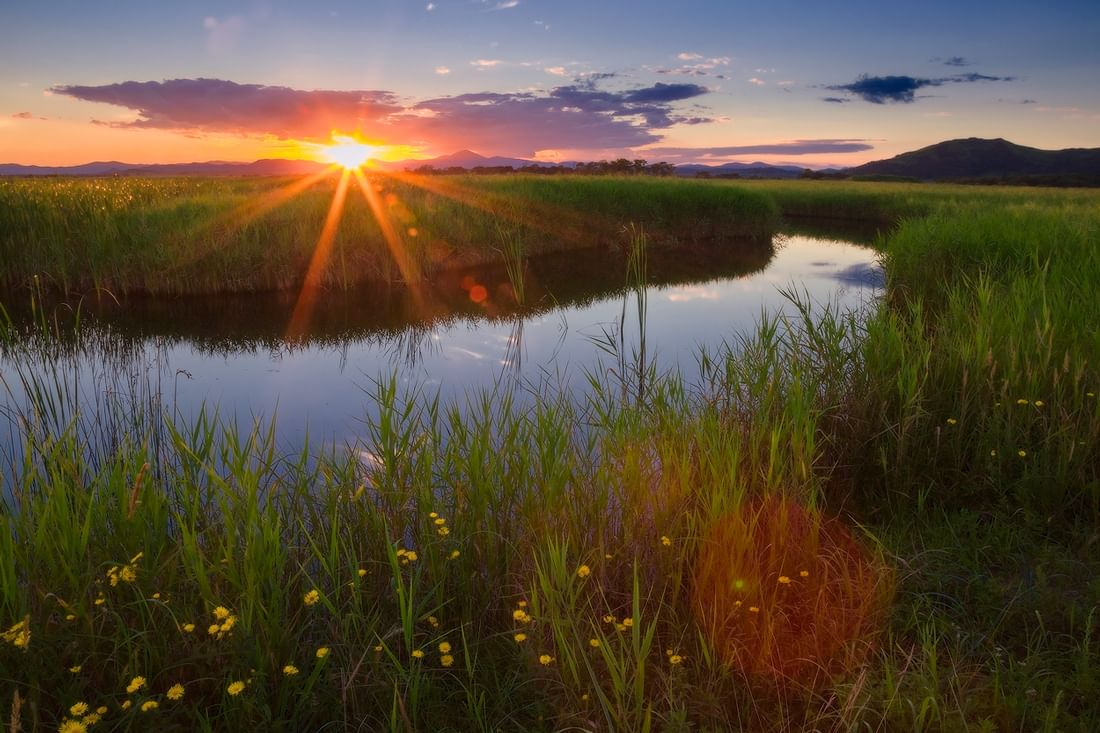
(325, 389)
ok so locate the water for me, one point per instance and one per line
(461, 334)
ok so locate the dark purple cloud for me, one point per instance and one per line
(953, 61)
(794, 147)
(883, 89)
(835, 100)
(215, 105)
(575, 116)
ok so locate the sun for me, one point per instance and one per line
(349, 152)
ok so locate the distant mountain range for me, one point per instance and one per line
(969, 159)
(975, 159)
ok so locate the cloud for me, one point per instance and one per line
(23, 116)
(215, 105)
(430, 7)
(483, 64)
(794, 147)
(702, 67)
(556, 70)
(578, 116)
(442, 70)
(757, 82)
(502, 4)
(836, 100)
(953, 61)
(222, 35)
(883, 89)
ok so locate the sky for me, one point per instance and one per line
(797, 82)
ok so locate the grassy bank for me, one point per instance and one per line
(176, 236)
(837, 524)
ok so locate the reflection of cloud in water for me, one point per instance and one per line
(823, 263)
(691, 292)
(467, 352)
(861, 273)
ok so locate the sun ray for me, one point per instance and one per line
(410, 272)
(318, 263)
(230, 221)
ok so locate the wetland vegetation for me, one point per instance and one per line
(840, 521)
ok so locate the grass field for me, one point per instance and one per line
(173, 236)
(839, 524)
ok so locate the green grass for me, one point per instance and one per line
(887, 424)
(175, 236)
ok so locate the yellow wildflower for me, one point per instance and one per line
(675, 659)
(754, 609)
(125, 705)
(584, 697)
(440, 521)
(594, 643)
(91, 719)
(993, 452)
(446, 660)
(175, 692)
(522, 616)
(128, 574)
(433, 515)
(804, 573)
(445, 647)
(952, 421)
(235, 688)
(149, 705)
(784, 579)
(377, 647)
(361, 572)
(666, 541)
(19, 634)
(545, 659)
(322, 652)
(72, 726)
(454, 554)
(100, 600)
(75, 669)
(213, 629)
(311, 597)
(628, 622)
(520, 637)
(1021, 402)
(101, 710)
(135, 684)
(1090, 394)
(620, 627)
(1021, 453)
(290, 670)
(221, 612)
(521, 604)
(1038, 403)
(411, 556)
(417, 654)
(70, 617)
(443, 531)
(609, 619)
(188, 628)
(78, 709)
(433, 621)
(584, 571)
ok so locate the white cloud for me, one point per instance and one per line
(442, 70)
(757, 82)
(430, 7)
(486, 63)
(689, 56)
(556, 70)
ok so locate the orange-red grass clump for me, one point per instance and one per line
(785, 593)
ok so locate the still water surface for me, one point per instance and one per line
(461, 334)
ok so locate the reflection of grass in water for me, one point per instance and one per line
(578, 524)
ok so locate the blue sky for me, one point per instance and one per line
(681, 81)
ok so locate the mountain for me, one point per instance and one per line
(975, 158)
(266, 167)
(463, 159)
(743, 170)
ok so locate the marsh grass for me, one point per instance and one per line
(177, 236)
(558, 546)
